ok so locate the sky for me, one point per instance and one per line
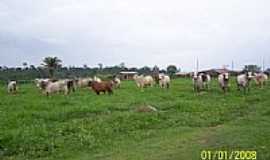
(138, 33)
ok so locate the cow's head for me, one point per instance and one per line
(226, 76)
(249, 76)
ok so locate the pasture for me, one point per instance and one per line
(85, 126)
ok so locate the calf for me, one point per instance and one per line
(164, 81)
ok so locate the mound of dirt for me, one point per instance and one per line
(146, 108)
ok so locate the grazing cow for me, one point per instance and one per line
(66, 86)
(243, 81)
(206, 79)
(164, 81)
(83, 82)
(71, 85)
(144, 81)
(139, 80)
(104, 86)
(197, 82)
(149, 81)
(12, 87)
(41, 82)
(260, 79)
(116, 82)
(223, 80)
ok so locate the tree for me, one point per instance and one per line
(145, 70)
(156, 69)
(51, 63)
(85, 66)
(32, 67)
(100, 65)
(24, 65)
(252, 68)
(122, 65)
(267, 71)
(171, 70)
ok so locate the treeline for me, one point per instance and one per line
(32, 72)
(51, 67)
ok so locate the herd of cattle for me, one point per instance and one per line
(201, 81)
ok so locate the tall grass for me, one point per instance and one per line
(86, 126)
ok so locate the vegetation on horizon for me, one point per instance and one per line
(53, 67)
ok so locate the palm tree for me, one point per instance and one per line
(51, 63)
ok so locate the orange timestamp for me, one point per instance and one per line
(228, 155)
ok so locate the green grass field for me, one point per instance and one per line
(84, 126)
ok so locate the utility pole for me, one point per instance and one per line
(263, 65)
(197, 65)
(232, 65)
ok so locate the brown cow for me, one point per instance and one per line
(104, 86)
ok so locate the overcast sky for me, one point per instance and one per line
(137, 32)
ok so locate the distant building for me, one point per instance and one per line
(127, 75)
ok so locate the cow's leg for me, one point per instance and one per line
(110, 91)
(224, 89)
(168, 85)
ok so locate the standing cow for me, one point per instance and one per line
(260, 79)
(243, 81)
(164, 81)
(197, 82)
(116, 82)
(206, 79)
(223, 80)
(144, 81)
(12, 87)
(83, 82)
(103, 86)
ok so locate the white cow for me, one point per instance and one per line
(84, 82)
(206, 79)
(65, 86)
(223, 80)
(41, 82)
(116, 82)
(12, 87)
(197, 82)
(143, 81)
(243, 81)
(260, 79)
(164, 81)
